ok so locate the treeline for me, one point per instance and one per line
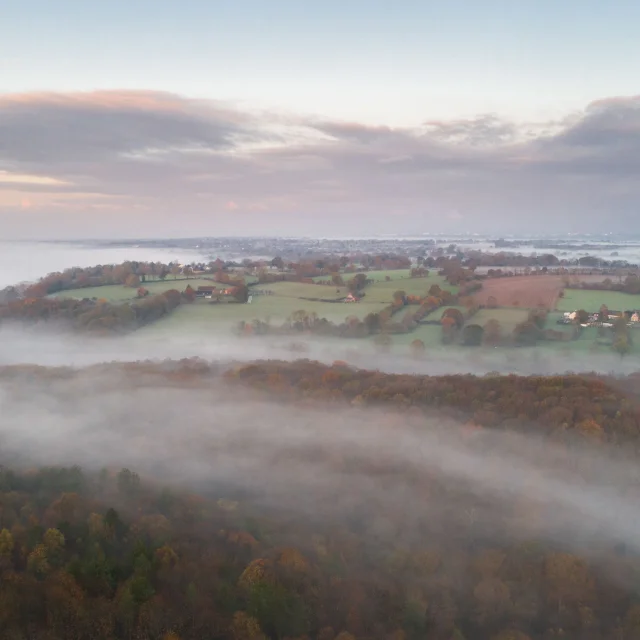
(501, 265)
(471, 260)
(128, 273)
(630, 284)
(93, 316)
(545, 260)
(504, 259)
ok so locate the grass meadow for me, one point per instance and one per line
(302, 290)
(508, 317)
(120, 293)
(207, 317)
(592, 300)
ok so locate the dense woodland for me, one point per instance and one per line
(593, 407)
(87, 555)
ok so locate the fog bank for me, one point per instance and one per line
(29, 261)
(41, 345)
(386, 474)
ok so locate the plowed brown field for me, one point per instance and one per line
(521, 291)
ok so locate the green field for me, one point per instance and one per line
(202, 320)
(382, 291)
(585, 344)
(592, 300)
(552, 322)
(404, 275)
(302, 290)
(409, 309)
(394, 274)
(508, 317)
(120, 293)
(206, 317)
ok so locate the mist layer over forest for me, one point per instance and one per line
(50, 348)
(331, 462)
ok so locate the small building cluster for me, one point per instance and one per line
(208, 291)
(594, 320)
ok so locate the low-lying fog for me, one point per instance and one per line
(28, 261)
(351, 464)
(45, 347)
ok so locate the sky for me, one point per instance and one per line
(206, 117)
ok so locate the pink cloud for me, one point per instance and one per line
(142, 100)
(165, 153)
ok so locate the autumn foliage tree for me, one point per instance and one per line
(455, 315)
(448, 329)
(189, 294)
(132, 281)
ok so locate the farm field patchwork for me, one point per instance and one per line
(430, 334)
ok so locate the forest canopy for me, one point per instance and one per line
(289, 500)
